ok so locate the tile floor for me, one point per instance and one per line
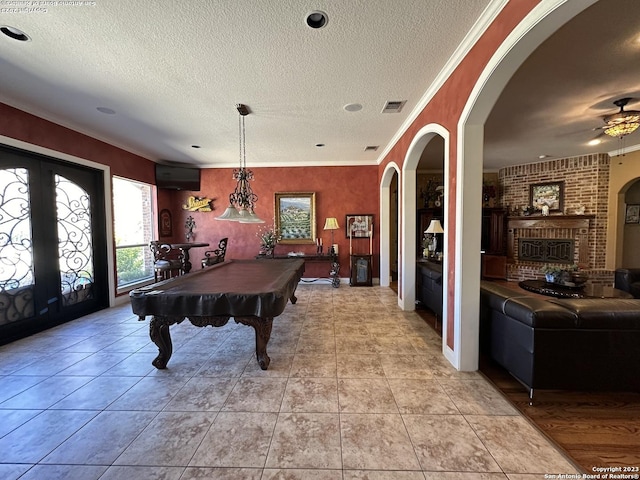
(357, 389)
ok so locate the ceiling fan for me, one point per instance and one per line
(623, 122)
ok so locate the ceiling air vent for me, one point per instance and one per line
(393, 106)
(371, 148)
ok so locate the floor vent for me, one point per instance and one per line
(393, 107)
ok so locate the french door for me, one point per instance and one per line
(53, 262)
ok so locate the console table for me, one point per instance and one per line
(560, 291)
(332, 259)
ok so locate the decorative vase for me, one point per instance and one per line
(550, 277)
(266, 251)
(579, 278)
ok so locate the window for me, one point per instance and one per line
(133, 230)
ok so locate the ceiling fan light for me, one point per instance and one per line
(623, 122)
(621, 129)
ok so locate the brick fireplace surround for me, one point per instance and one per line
(586, 183)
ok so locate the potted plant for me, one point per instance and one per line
(269, 237)
(566, 274)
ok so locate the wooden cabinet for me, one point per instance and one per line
(494, 243)
(493, 240)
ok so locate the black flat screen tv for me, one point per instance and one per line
(177, 178)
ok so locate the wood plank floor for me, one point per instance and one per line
(594, 429)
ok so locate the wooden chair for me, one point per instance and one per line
(165, 263)
(215, 256)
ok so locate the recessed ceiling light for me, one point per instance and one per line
(319, 145)
(352, 107)
(196, 146)
(543, 156)
(14, 33)
(595, 141)
(108, 111)
(317, 19)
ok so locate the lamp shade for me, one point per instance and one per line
(434, 227)
(331, 223)
(231, 213)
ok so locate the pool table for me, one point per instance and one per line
(253, 292)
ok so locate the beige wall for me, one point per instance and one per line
(624, 171)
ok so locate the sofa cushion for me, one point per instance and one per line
(603, 313)
(494, 295)
(539, 313)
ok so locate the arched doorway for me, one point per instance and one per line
(389, 225)
(540, 24)
(461, 312)
(54, 245)
(407, 293)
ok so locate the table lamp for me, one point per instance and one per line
(434, 227)
(331, 223)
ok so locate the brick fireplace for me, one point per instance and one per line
(586, 184)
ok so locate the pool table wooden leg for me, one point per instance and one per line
(159, 333)
(262, 327)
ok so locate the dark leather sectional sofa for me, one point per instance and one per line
(567, 344)
(628, 279)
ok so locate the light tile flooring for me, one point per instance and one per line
(357, 389)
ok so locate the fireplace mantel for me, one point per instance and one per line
(550, 221)
(580, 223)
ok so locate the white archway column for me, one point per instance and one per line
(468, 226)
(407, 290)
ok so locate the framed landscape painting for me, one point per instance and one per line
(549, 194)
(296, 217)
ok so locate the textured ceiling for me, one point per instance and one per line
(554, 104)
(173, 71)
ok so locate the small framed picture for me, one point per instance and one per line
(549, 194)
(632, 214)
(165, 226)
(358, 225)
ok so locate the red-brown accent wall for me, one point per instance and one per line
(339, 191)
(445, 109)
(28, 128)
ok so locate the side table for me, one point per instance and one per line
(334, 269)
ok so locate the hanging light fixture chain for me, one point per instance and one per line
(242, 200)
